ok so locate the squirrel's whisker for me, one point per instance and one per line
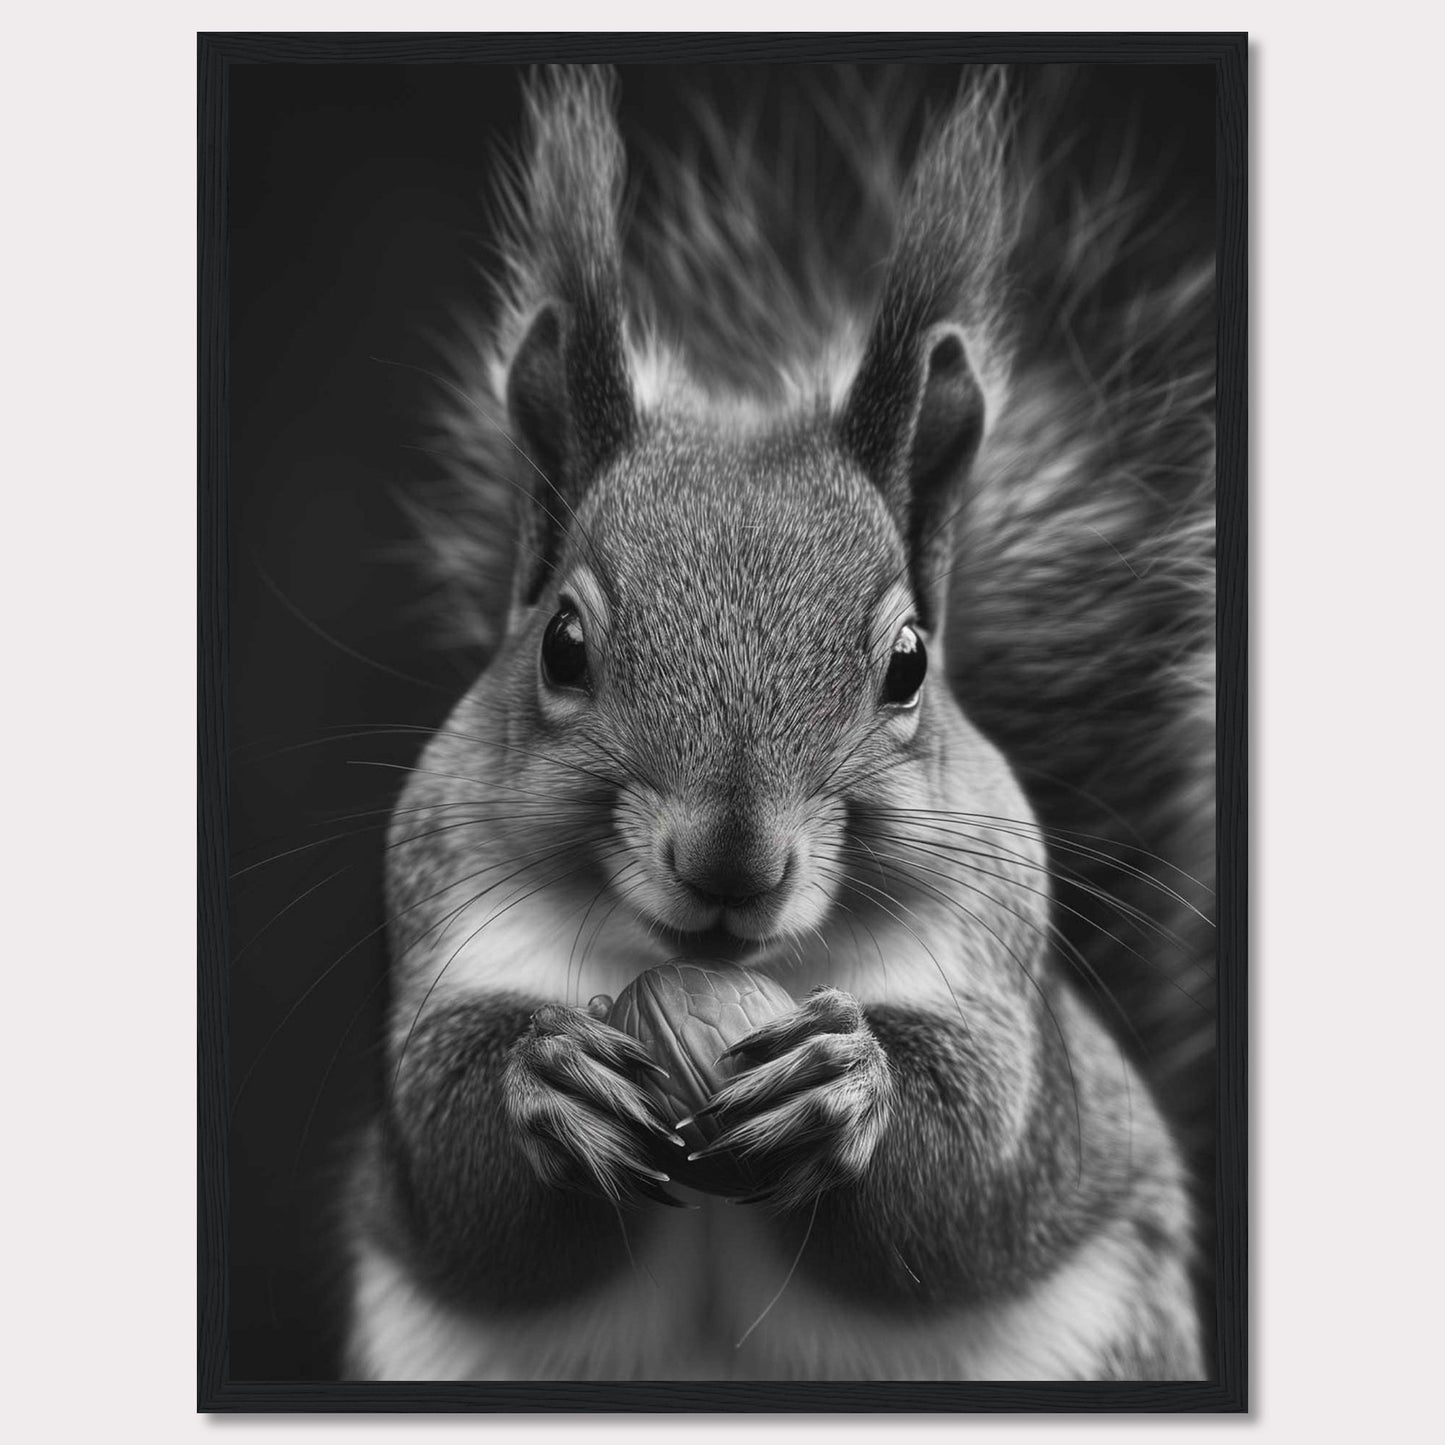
(908, 870)
(374, 932)
(1023, 969)
(1058, 839)
(954, 856)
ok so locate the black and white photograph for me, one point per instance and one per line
(722, 564)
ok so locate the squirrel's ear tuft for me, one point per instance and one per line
(913, 421)
(568, 389)
(940, 336)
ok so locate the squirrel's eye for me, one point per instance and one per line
(564, 652)
(906, 669)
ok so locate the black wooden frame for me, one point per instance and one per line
(218, 53)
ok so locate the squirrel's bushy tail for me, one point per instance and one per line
(1081, 614)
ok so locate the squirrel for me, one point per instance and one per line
(858, 631)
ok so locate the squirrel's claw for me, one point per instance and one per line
(600, 1039)
(813, 1062)
(808, 1116)
(582, 1118)
(824, 1011)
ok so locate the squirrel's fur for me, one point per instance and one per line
(733, 371)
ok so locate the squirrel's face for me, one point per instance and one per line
(730, 642)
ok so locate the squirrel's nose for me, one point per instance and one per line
(718, 871)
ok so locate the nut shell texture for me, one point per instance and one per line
(685, 1015)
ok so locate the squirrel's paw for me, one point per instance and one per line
(583, 1120)
(810, 1112)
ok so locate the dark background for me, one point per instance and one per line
(358, 218)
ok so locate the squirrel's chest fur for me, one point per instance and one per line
(713, 1296)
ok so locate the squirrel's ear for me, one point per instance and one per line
(570, 406)
(569, 396)
(913, 421)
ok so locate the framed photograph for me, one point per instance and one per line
(722, 734)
